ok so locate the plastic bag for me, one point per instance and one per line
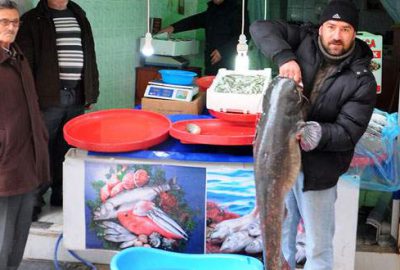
(376, 159)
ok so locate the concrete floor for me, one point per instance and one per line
(49, 265)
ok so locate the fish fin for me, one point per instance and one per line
(127, 244)
(165, 222)
(311, 136)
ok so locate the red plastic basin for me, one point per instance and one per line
(117, 130)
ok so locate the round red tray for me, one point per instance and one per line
(204, 82)
(214, 132)
(117, 130)
(234, 117)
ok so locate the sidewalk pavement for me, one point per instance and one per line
(49, 265)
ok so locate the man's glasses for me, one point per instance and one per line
(7, 22)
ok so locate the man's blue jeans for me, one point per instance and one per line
(317, 209)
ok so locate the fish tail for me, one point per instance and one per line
(272, 237)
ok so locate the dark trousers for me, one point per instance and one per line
(55, 119)
(15, 221)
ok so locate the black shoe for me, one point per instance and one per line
(36, 212)
(56, 198)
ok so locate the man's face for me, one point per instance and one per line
(337, 37)
(218, 2)
(57, 3)
(9, 24)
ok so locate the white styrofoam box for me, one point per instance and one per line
(239, 103)
(173, 47)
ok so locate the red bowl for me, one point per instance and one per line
(214, 132)
(204, 82)
(235, 117)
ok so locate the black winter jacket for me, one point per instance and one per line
(344, 105)
(37, 39)
(222, 24)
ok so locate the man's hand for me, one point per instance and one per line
(291, 70)
(89, 106)
(215, 57)
(170, 29)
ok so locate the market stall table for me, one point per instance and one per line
(195, 185)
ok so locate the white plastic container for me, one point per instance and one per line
(237, 102)
(173, 47)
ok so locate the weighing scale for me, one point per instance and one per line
(158, 89)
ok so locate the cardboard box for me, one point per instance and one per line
(164, 106)
(375, 44)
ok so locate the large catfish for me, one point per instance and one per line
(276, 162)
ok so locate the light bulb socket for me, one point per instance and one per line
(242, 38)
(242, 46)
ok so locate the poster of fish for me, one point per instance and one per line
(232, 224)
(159, 206)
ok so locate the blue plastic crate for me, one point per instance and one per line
(140, 258)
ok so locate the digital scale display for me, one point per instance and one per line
(160, 92)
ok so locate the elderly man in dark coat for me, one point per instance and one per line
(24, 164)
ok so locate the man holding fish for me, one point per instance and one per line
(331, 65)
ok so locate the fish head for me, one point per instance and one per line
(105, 211)
(255, 246)
(126, 216)
(282, 88)
(229, 244)
(292, 94)
(219, 234)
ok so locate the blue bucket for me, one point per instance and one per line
(141, 258)
(180, 77)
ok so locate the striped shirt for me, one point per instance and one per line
(69, 47)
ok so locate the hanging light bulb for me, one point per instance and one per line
(147, 48)
(242, 60)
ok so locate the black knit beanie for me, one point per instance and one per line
(340, 10)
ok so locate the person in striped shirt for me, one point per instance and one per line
(57, 39)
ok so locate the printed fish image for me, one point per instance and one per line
(146, 219)
(236, 242)
(276, 162)
(123, 201)
(116, 233)
(256, 246)
(223, 229)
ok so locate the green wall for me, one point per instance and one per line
(117, 26)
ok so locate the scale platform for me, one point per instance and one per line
(158, 89)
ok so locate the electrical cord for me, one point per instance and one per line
(243, 9)
(72, 253)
